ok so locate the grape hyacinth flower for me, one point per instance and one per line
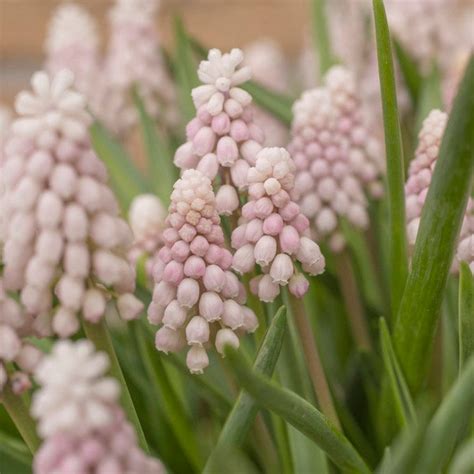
(15, 325)
(419, 179)
(269, 68)
(134, 58)
(272, 230)
(327, 186)
(65, 249)
(72, 43)
(197, 299)
(223, 138)
(146, 217)
(79, 417)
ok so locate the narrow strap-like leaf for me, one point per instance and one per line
(437, 237)
(160, 158)
(463, 459)
(405, 408)
(466, 314)
(451, 416)
(299, 413)
(185, 68)
(277, 104)
(321, 37)
(14, 448)
(245, 409)
(126, 179)
(173, 409)
(394, 158)
(409, 69)
(429, 98)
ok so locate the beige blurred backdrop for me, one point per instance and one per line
(219, 23)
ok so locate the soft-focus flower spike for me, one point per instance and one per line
(272, 231)
(146, 217)
(196, 294)
(63, 235)
(79, 417)
(223, 139)
(420, 174)
(335, 157)
(72, 43)
(133, 58)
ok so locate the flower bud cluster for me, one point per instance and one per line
(146, 217)
(197, 299)
(72, 43)
(269, 68)
(272, 230)
(65, 248)
(223, 137)
(15, 325)
(134, 58)
(327, 145)
(419, 179)
(83, 427)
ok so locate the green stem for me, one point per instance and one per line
(394, 158)
(322, 42)
(98, 334)
(19, 413)
(313, 360)
(352, 302)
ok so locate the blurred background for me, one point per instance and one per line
(219, 23)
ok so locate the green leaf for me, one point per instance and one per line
(15, 449)
(463, 459)
(160, 158)
(439, 228)
(466, 314)
(277, 104)
(430, 97)
(172, 406)
(245, 409)
(126, 179)
(409, 69)
(394, 157)
(404, 404)
(402, 454)
(451, 416)
(321, 37)
(185, 67)
(299, 413)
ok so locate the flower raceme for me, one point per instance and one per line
(65, 248)
(272, 230)
(79, 416)
(419, 179)
(197, 299)
(335, 157)
(133, 58)
(222, 139)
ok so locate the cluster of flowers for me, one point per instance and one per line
(133, 58)
(197, 298)
(223, 137)
(80, 419)
(15, 324)
(65, 246)
(335, 157)
(146, 217)
(272, 230)
(419, 179)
